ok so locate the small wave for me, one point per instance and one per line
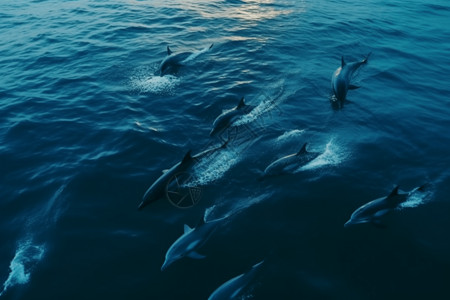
(154, 84)
(332, 156)
(26, 257)
(290, 134)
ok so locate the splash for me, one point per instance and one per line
(213, 167)
(26, 257)
(416, 198)
(290, 134)
(145, 83)
(267, 103)
(332, 156)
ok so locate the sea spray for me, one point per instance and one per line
(26, 257)
(332, 156)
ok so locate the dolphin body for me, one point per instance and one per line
(236, 287)
(227, 118)
(157, 190)
(290, 163)
(340, 81)
(191, 240)
(172, 63)
(373, 211)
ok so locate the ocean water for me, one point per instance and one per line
(87, 125)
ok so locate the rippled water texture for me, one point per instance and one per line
(87, 125)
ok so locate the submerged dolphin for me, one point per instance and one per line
(373, 211)
(227, 118)
(340, 81)
(191, 240)
(172, 63)
(235, 288)
(290, 163)
(157, 190)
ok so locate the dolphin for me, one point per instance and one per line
(373, 211)
(235, 288)
(190, 241)
(290, 163)
(172, 63)
(227, 118)
(157, 190)
(340, 81)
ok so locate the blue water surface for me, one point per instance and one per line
(87, 125)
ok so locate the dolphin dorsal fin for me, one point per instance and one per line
(303, 150)
(394, 192)
(241, 103)
(187, 228)
(168, 51)
(342, 62)
(187, 157)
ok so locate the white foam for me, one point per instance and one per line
(266, 104)
(416, 198)
(27, 255)
(145, 83)
(213, 167)
(290, 134)
(332, 156)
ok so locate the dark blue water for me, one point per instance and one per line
(86, 127)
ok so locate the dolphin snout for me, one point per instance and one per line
(165, 265)
(348, 223)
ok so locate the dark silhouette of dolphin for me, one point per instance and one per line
(373, 211)
(236, 287)
(340, 81)
(173, 62)
(157, 190)
(290, 163)
(227, 118)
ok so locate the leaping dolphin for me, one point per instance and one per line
(191, 241)
(172, 63)
(235, 288)
(290, 163)
(340, 81)
(373, 211)
(227, 118)
(157, 190)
